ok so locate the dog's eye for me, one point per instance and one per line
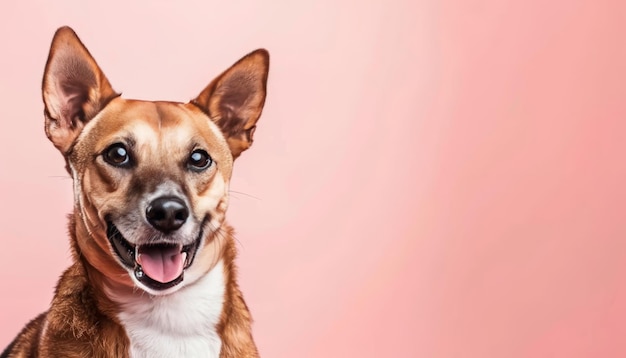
(199, 160)
(117, 155)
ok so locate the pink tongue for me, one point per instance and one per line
(161, 264)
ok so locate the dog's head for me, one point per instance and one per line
(150, 178)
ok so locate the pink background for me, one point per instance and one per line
(430, 178)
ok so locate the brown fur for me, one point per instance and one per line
(82, 319)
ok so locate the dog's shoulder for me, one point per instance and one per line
(26, 342)
(76, 326)
(70, 315)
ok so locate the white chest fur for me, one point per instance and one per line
(182, 324)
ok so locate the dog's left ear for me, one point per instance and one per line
(235, 99)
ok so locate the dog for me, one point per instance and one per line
(153, 272)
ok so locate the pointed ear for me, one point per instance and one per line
(234, 100)
(74, 89)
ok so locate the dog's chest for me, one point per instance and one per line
(182, 324)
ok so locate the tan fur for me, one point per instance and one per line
(84, 115)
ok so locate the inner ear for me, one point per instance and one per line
(72, 92)
(235, 99)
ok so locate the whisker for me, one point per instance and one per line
(248, 195)
(223, 235)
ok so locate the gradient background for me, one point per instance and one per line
(429, 178)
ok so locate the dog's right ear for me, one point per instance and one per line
(74, 89)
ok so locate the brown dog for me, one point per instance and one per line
(153, 272)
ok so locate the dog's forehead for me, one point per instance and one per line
(161, 119)
(158, 123)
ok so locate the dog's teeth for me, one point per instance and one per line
(184, 258)
(138, 272)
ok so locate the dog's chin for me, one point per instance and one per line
(165, 262)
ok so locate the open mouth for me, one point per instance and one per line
(158, 266)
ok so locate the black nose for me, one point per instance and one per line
(167, 213)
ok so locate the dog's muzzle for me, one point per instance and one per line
(158, 266)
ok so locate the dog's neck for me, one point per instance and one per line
(161, 318)
(181, 324)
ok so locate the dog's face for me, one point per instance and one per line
(150, 178)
